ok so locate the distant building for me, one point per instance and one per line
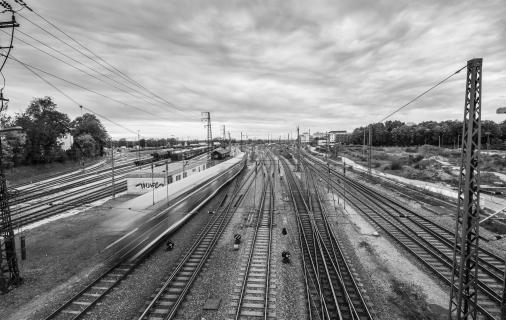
(319, 135)
(338, 136)
(305, 137)
(66, 142)
(220, 154)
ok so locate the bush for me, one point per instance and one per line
(396, 165)
(411, 301)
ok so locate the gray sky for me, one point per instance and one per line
(265, 66)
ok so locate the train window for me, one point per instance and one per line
(169, 179)
(185, 174)
(178, 177)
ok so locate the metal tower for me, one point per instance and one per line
(9, 270)
(206, 117)
(463, 292)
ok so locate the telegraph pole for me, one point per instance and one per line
(112, 170)
(370, 150)
(298, 148)
(206, 117)
(9, 269)
(139, 147)
(463, 289)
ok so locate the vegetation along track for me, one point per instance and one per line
(171, 294)
(126, 259)
(429, 242)
(331, 288)
(254, 296)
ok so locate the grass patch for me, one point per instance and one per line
(26, 174)
(494, 226)
(411, 301)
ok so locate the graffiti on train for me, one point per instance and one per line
(149, 185)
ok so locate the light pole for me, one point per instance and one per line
(503, 302)
(112, 169)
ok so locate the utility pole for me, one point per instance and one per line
(344, 183)
(463, 289)
(167, 180)
(112, 170)
(206, 117)
(370, 150)
(9, 270)
(363, 147)
(139, 147)
(241, 141)
(298, 148)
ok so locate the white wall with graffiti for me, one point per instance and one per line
(144, 181)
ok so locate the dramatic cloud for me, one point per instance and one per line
(262, 66)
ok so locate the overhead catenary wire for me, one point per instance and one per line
(103, 60)
(75, 101)
(76, 67)
(83, 87)
(421, 94)
(111, 69)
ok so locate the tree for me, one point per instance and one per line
(86, 144)
(89, 125)
(43, 125)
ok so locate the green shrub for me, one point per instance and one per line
(396, 165)
(411, 301)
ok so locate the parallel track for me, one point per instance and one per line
(127, 260)
(432, 244)
(253, 300)
(334, 294)
(171, 294)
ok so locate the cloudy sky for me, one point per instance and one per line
(259, 66)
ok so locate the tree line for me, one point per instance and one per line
(447, 133)
(43, 128)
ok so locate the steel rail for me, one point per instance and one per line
(219, 223)
(401, 231)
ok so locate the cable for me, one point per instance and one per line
(94, 60)
(82, 87)
(107, 63)
(75, 67)
(73, 100)
(422, 94)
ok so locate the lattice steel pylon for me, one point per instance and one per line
(9, 270)
(463, 291)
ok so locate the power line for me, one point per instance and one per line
(75, 67)
(113, 69)
(422, 94)
(83, 87)
(73, 100)
(107, 63)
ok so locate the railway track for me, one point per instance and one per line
(429, 242)
(332, 289)
(172, 292)
(128, 257)
(70, 199)
(254, 299)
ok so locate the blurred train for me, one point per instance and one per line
(173, 155)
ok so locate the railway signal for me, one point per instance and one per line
(170, 245)
(286, 256)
